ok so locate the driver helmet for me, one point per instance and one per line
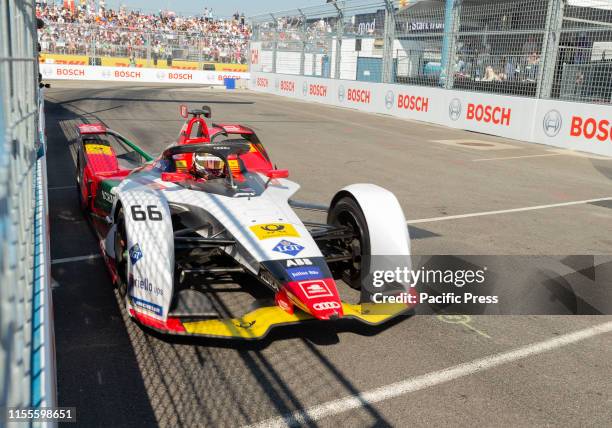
(208, 165)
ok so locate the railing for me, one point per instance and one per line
(27, 372)
(553, 49)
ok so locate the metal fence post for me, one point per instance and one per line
(148, 42)
(550, 48)
(304, 35)
(339, 33)
(388, 40)
(451, 25)
(274, 44)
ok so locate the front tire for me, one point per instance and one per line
(347, 212)
(121, 254)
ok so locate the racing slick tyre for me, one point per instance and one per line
(121, 256)
(82, 202)
(346, 212)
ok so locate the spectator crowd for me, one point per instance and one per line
(161, 36)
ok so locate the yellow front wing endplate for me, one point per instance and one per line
(256, 324)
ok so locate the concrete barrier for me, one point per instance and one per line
(568, 125)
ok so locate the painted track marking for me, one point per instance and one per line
(320, 411)
(518, 157)
(512, 210)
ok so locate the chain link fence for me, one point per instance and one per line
(22, 218)
(557, 49)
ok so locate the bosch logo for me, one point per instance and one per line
(341, 93)
(359, 96)
(107, 74)
(326, 305)
(160, 75)
(389, 99)
(47, 71)
(317, 90)
(454, 109)
(287, 86)
(262, 82)
(305, 88)
(489, 114)
(552, 123)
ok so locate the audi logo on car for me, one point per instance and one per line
(326, 305)
(552, 123)
(305, 88)
(454, 109)
(389, 99)
(341, 93)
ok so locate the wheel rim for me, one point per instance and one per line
(347, 219)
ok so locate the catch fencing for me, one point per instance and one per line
(27, 371)
(545, 49)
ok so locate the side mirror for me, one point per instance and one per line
(184, 111)
(207, 112)
(277, 173)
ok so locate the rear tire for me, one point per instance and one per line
(347, 212)
(78, 179)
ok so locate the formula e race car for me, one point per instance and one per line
(174, 227)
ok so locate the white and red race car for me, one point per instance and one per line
(212, 205)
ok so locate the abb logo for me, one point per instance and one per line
(410, 102)
(590, 128)
(317, 90)
(489, 114)
(180, 76)
(359, 96)
(70, 72)
(262, 82)
(128, 74)
(287, 85)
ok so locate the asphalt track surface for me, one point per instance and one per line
(116, 374)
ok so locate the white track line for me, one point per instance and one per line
(519, 157)
(513, 210)
(75, 259)
(320, 411)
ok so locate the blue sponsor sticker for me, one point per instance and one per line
(287, 247)
(304, 273)
(135, 253)
(147, 306)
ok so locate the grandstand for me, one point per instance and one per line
(133, 38)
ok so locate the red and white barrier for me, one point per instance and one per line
(140, 75)
(569, 125)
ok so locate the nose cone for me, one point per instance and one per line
(318, 297)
